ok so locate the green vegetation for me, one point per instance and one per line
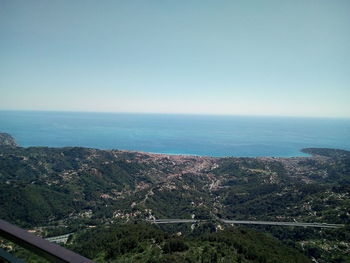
(144, 243)
(63, 190)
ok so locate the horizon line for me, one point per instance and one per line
(177, 113)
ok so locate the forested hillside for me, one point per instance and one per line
(62, 190)
(142, 243)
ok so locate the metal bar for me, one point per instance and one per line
(40, 246)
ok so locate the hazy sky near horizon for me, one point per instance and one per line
(202, 57)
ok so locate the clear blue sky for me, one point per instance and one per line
(211, 57)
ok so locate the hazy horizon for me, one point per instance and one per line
(174, 113)
(256, 58)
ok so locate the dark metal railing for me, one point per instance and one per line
(38, 245)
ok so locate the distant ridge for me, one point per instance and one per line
(332, 153)
(7, 140)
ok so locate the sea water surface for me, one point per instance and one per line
(177, 134)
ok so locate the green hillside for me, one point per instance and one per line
(60, 190)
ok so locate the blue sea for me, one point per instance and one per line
(201, 135)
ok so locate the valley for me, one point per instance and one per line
(57, 191)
